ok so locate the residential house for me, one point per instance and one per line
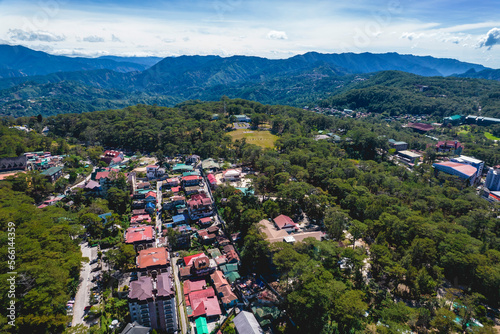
(141, 237)
(212, 181)
(136, 328)
(210, 165)
(153, 171)
(192, 180)
(151, 302)
(232, 175)
(153, 259)
(224, 290)
(172, 182)
(206, 237)
(243, 118)
(449, 146)
(286, 223)
(203, 303)
(193, 159)
(112, 157)
(53, 173)
(140, 219)
(246, 323)
(199, 206)
(206, 221)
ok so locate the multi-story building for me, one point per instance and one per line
(151, 302)
(493, 179)
(200, 206)
(478, 164)
(153, 259)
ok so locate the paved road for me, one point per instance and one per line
(82, 296)
(180, 296)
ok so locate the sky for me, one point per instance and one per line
(464, 30)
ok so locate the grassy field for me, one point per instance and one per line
(490, 136)
(263, 139)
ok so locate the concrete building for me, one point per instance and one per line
(478, 164)
(463, 171)
(408, 157)
(493, 179)
(151, 302)
(398, 145)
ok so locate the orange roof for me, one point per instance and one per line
(218, 279)
(139, 233)
(188, 260)
(463, 168)
(152, 257)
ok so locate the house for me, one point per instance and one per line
(203, 303)
(150, 197)
(151, 301)
(136, 328)
(172, 182)
(143, 185)
(232, 175)
(224, 290)
(140, 219)
(409, 158)
(198, 264)
(153, 171)
(192, 180)
(206, 237)
(93, 187)
(153, 259)
(243, 118)
(449, 146)
(493, 179)
(179, 168)
(199, 206)
(53, 173)
(193, 159)
(201, 325)
(232, 257)
(212, 181)
(175, 202)
(206, 221)
(141, 236)
(150, 207)
(398, 145)
(192, 190)
(112, 157)
(463, 171)
(246, 323)
(210, 165)
(286, 223)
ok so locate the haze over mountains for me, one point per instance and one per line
(111, 81)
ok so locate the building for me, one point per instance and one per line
(493, 179)
(224, 290)
(200, 206)
(453, 120)
(193, 159)
(246, 323)
(449, 146)
(135, 328)
(197, 265)
(398, 145)
(153, 171)
(410, 158)
(243, 118)
(141, 237)
(232, 175)
(203, 303)
(12, 164)
(153, 259)
(420, 127)
(192, 180)
(151, 302)
(286, 223)
(53, 173)
(480, 120)
(478, 164)
(463, 171)
(112, 157)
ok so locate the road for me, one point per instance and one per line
(82, 295)
(180, 296)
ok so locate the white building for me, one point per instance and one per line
(232, 175)
(493, 179)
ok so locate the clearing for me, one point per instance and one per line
(490, 136)
(264, 139)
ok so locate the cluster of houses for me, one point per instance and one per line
(49, 165)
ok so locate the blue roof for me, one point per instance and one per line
(178, 218)
(150, 205)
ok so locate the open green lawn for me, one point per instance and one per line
(263, 139)
(490, 136)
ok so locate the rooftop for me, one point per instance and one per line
(410, 154)
(139, 233)
(152, 257)
(462, 168)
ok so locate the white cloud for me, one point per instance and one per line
(93, 39)
(31, 36)
(492, 38)
(115, 39)
(275, 34)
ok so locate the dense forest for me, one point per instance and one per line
(430, 243)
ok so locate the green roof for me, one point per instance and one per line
(455, 117)
(51, 171)
(201, 326)
(229, 267)
(182, 167)
(232, 276)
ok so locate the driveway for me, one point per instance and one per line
(180, 296)
(82, 295)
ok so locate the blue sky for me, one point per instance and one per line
(465, 30)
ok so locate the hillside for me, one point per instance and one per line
(395, 93)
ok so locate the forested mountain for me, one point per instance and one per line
(19, 61)
(301, 80)
(396, 93)
(488, 74)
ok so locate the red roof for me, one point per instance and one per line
(152, 257)
(211, 178)
(111, 153)
(206, 220)
(283, 221)
(191, 286)
(100, 175)
(188, 260)
(421, 126)
(140, 218)
(153, 166)
(204, 302)
(151, 193)
(218, 279)
(139, 233)
(191, 178)
(176, 189)
(462, 168)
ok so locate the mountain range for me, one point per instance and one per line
(299, 80)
